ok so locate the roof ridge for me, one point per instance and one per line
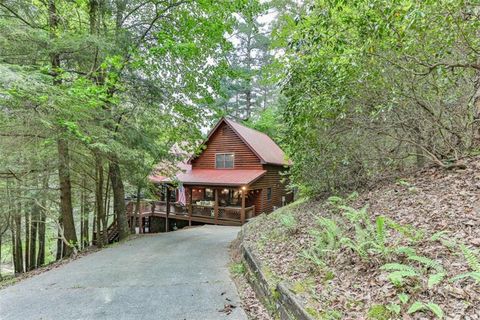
(240, 124)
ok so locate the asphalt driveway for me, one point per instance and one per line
(177, 275)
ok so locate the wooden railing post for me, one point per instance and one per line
(190, 208)
(215, 207)
(242, 211)
(167, 209)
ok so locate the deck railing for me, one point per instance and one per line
(197, 210)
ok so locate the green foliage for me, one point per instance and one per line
(435, 279)
(472, 259)
(438, 235)
(349, 94)
(416, 306)
(368, 239)
(381, 233)
(238, 268)
(473, 275)
(379, 312)
(394, 308)
(399, 273)
(473, 262)
(330, 315)
(420, 306)
(327, 240)
(303, 286)
(336, 201)
(288, 221)
(403, 297)
(408, 251)
(408, 231)
(428, 263)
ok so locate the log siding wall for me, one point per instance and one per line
(225, 140)
(272, 179)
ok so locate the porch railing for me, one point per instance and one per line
(156, 206)
(224, 212)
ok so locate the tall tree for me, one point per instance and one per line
(375, 86)
(111, 85)
(246, 90)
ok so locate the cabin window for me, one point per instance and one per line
(209, 194)
(269, 194)
(224, 160)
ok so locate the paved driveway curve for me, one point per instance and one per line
(178, 275)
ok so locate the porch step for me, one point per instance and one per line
(112, 233)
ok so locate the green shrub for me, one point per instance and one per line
(288, 221)
(238, 268)
(379, 312)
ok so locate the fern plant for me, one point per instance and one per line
(427, 262)
(327, 240)
(314, 257)
(406, 230)
(368, 239)
(336, 201)
(331, 233)
(399, 273)
(429, 306)
(288, 222)
(473, 262)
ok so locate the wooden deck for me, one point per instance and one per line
(229, 216)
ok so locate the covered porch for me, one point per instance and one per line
(232, 206)
(221, 197)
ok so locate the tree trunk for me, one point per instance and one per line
(33, 236)
(86, 236)
(18, 252)
(118, 198)
(84, 212)
(41, 239)
(41, 223)
(27, 239)
(101, 228)
(66, 209)
(1, 257)
(82, 215)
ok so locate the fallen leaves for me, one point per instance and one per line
(433, 200)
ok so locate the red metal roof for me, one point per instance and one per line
(261, 144)
(222, 177)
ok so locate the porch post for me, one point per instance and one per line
(215, 207)
(167, 209)
(141, 223)
(190, 207)
(242, 211)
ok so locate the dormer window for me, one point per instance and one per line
(224, 160)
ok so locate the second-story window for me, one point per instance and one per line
(224, 160)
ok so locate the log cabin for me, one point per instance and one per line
(237, 176)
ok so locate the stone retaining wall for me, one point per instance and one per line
(278, 299)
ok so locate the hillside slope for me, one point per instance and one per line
(407, 249)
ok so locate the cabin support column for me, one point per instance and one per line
(215, 207)
(190, 207)
(242, 211)
(167, 209)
